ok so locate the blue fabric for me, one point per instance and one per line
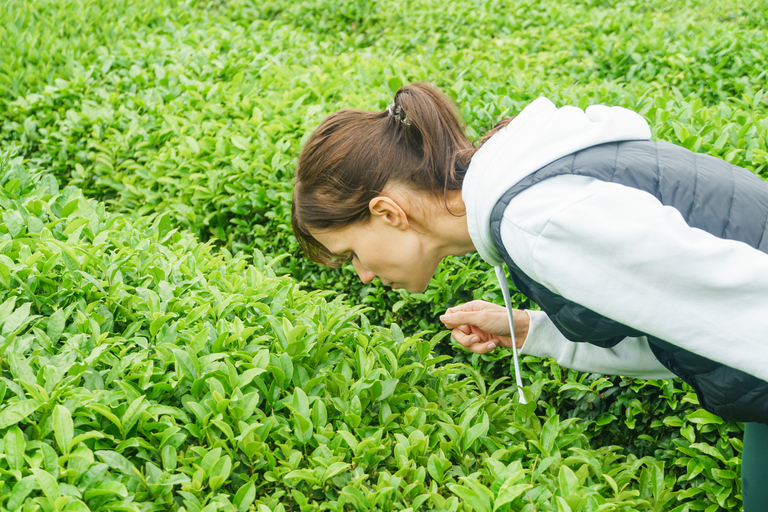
(754, 468)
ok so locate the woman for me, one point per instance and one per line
(646, 259)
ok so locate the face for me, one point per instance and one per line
(394, 253)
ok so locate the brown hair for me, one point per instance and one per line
(354, 154)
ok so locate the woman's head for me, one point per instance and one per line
(418, 144)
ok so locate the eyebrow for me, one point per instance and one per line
(344, 257)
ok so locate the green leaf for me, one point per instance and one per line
(94, 434)
(5, 275)
(709, 450)
(107, 413)
(568, 481)
(56, 324)
(549, 432)
(303, 474)
(63, 427)
(184, 365)
(73, 505)
(394, 84)
(261, 359)
(70, 208)
(21, 369)
(20, 491)
(6, 308)
(562, 504)
(509, 492)
(245, 496)
(471, 497)
(302, 428)
(704, 417)
(15, 447)
(387, 389)
(157, 323)
(18, 412)
(300, 402)
(47, 483)
(17, 319)
(349, 438)
(72, 227)
(109, 488)
(319, 414)
(133, 413)
(333, 470)
(50, 459)
(117, 461)
(474, 432)
(240, 142)
(435, 468)
(14, 222)
(220, 472)
(209, 461)
(355, 407)
(168, 455)
(605, 418)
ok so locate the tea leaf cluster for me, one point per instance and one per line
(162, 343)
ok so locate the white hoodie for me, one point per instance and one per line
(615, 249)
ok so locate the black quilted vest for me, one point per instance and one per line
(722, 199)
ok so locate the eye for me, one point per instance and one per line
(351, 255)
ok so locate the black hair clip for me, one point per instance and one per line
(397, 112)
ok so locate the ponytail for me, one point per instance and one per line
(434, 125)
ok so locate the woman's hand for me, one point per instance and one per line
(480, 326)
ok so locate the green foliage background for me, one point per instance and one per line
(163, 344)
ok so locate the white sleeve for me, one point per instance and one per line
(618, 251)
(630, 358)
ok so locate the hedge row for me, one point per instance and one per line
(199, 108)
(141, 370)
(193, 113)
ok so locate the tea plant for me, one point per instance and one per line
(187, 116)
(142, 371)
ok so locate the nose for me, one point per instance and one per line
(366, 276)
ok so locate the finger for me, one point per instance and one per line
(474, 305)
(473, 318)
(482, 348)
(451, 320)
(466, 329)
(464, 339)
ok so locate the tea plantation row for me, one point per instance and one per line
(142, 370)
(189, 116)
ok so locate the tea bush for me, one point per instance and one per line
(141, 370)
(190, 114)
(199, 108)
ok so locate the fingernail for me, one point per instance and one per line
(491, 346)
(445, 318)
(474, 339)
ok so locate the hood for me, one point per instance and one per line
(539, 135)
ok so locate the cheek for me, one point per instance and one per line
(413, 262)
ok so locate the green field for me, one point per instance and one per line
(165, 347)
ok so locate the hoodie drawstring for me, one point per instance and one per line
(508, 303)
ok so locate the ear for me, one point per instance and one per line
(387, 210)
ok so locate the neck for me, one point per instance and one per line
(447, 228)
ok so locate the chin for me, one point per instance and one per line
(416, 288)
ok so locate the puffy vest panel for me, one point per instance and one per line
(711, 194)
